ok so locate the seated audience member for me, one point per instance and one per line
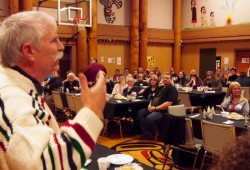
(194, 81)
(119, 87)
(116, 75)
(30, 136)
(235, 156)
(140, 81)
(211, 82)
(181, 79)
(243, 80)
(218, 73)
(131, 87)
(127, 73)
(192, 72)
(71, 85)
(158, 73)
(54, 83)
(232, 76)
(152, 89)
(146, 75)
(149, 117)
(233, 101)
(135, 74)
(140, 70)
(91, 71)
(224, 78)
(174, 75)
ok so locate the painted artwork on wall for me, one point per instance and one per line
(212, 13)
(150, 62)
(108, 13)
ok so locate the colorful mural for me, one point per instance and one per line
(214, 13)
(107, 10)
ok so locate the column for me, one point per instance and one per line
(27, 5)
(82, 50)
(134, 34)
(13, 6)
(143, 33)
(93, 32)
(177, 35)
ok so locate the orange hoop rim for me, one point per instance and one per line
(76, 20)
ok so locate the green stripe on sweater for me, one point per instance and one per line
(79, 149)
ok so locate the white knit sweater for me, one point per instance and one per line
(29, 135)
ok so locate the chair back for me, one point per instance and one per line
(224, 89)
(77, 102)
(57, 100)
(177, 110)
(245, 91)
(184, 98)
(217, 136)
(70, 101)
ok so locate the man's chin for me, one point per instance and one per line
(56, 67)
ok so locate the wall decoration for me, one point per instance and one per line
(203, 16)
(245, 60)
(229, 8)
(150, 61)
(119, 61)
(111, 60)
(217, 13)
(212, 20)
(194, 12)
(107, 10)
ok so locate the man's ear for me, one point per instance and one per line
(28, 51)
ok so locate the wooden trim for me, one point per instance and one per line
(234, 32)
(115, 32)
(160, 35)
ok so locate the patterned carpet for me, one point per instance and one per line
(147, 152)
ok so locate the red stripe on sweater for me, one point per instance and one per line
(59, 150)
(82, 133)
(2, 146)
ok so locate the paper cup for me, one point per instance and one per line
(224, 114)
(103, 163)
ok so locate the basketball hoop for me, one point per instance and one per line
(80, 23)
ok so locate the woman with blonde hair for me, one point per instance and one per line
(234, 102)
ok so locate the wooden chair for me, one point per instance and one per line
(71, 105)
(77, 103)
(216, 137)
(185, 99)
(59, 107)
(70, 101)
(191, 145)
(177, 110)
(245, 91)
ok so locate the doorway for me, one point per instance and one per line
(207, 61)
(242, 60)
(65, 62)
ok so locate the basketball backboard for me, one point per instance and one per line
(69, 9)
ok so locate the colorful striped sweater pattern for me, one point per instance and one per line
(30, 137)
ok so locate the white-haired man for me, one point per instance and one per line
(30, 137)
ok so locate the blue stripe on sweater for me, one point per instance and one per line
(44, 162)
(69, 152)
(6, 120)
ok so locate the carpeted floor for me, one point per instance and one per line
(147, 152)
